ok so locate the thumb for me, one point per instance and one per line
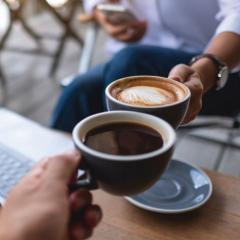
(62, 167)
(180, 73)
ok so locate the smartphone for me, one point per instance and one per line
(116, 13)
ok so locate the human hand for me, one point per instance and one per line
(40, 206)
(125, 31)
(192, 80)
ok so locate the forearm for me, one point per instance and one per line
(226, 46)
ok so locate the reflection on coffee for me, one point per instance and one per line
(148, 92)
(124, 139)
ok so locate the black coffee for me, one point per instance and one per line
(124, 139)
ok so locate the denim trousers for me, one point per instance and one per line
(86, 94)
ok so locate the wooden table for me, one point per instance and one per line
(219, 219)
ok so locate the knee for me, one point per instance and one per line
(74, 88)
(128, 57)
(127, 62)
(136, 60)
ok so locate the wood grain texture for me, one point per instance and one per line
(219, 219)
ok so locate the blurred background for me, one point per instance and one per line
(43, 44)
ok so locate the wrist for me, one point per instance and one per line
(208, 72)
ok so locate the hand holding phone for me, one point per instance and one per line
(120, 23)
(117, 14)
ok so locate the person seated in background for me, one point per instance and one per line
(40, 206)
(162, 41)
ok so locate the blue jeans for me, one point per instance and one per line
(85, 96)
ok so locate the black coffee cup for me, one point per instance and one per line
(173, 113)
(117, 174)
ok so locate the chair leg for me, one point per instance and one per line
(57, 56)
(6, 35)
(29, 30)
(88, 48)
(3, 82)
(3, 86)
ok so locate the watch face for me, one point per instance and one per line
(223, 77)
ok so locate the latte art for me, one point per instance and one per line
(144, 95)
(148, 92)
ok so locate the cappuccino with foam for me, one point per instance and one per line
(158, 96)
(148, 92)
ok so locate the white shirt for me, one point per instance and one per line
(187, 25)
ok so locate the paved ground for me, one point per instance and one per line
(32, 93)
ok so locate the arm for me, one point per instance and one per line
(202, 75)
(226, 46)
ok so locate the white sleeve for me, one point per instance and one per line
(90, 4)
(229, 16)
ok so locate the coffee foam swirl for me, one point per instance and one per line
(148, 92)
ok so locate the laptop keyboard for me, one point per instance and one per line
(13, 166)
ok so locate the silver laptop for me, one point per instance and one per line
(22, 144)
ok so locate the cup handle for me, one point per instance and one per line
(88, 183)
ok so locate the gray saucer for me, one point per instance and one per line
(182, 188)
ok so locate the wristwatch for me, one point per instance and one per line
(223, 70)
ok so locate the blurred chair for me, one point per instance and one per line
(15, 14)
(54, 6)
(16, 8)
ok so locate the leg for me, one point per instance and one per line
(80, 99)
(144, 60)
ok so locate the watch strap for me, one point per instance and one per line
(219, 63)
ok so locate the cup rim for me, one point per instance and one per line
(108, 94)
(171, 142)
